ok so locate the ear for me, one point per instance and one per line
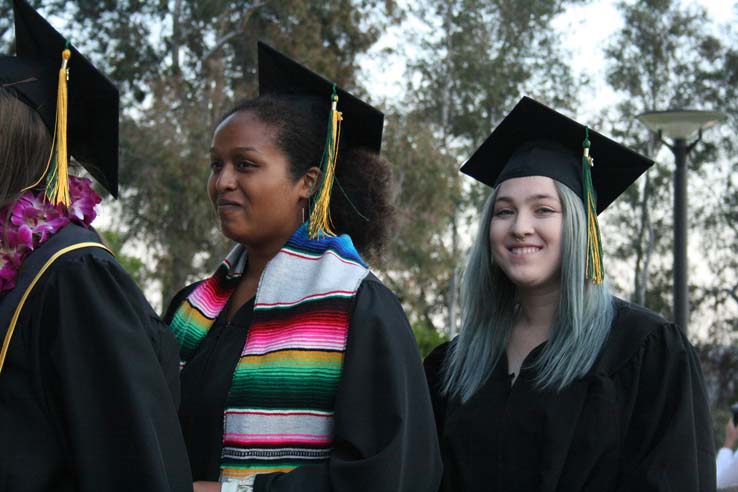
(309, 182)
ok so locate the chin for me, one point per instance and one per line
(236, 235)
(531, 280)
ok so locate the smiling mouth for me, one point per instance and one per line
(227, 203)
(528, 250)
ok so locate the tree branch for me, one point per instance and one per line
(240, 30)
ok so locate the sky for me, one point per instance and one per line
(594, 22)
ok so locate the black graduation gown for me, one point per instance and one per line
(89, 387)
(384, 434)
(638, 421)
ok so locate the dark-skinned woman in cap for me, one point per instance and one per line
(300, 371)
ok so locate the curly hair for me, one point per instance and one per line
(361, 200)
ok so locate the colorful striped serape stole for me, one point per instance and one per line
(201, 307)
(279, 412)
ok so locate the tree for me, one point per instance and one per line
(665, 56)
(478, 58)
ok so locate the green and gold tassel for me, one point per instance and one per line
(594, 269)
(320, 217)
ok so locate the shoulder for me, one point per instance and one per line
(638, 332)
(434, 364)
(377, 313)
(87, 290)
(371, 286)
(177, 300)
(434, 361)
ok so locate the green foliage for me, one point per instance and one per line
(418, 262)
(427, 338)
(131, 264)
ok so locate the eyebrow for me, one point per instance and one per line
(241, 149)
(533, 198)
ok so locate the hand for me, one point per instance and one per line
(206, 486)
(731, 434)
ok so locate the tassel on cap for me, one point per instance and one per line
(320, 217)
(594, 269)
(57, 180)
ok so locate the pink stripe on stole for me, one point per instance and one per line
(317, 323)
(208, 299)
(311, 296)
(267, 339)
(261, 349)
(261, 332)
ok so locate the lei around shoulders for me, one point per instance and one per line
(31, 220)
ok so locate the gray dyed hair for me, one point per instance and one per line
(489, 304)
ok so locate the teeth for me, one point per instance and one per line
(524, 251)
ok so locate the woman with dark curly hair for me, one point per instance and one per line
(300, 371)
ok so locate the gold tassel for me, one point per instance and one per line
(57, 181)
(320, 218)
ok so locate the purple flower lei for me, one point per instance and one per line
(33, 220)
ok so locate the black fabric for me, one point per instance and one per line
(208, 377)
(384, 432)
(545, 158)
(279, 74)
(511, 151)
(89, 390)
(32, 82)
(638, 421)
(92, 126)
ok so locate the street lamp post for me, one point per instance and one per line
(679, 125)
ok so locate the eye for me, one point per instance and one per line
(215, 165)
(503, 212)
(244, 164)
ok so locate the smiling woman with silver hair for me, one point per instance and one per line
(554, 384)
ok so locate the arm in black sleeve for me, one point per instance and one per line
(668, 444)
(385, 438)
(114, 363)
(433, 366)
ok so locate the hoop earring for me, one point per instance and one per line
(303, 215)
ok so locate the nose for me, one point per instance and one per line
(226, 179)
(522, 225)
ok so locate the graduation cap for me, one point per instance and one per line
(87, 102)
(535, 140)
(352, 121)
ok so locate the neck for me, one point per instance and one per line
(261, 254)
(538, 308)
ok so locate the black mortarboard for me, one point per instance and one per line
(535, 140)
(279, 74)
(92, 125)
(354, 122)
